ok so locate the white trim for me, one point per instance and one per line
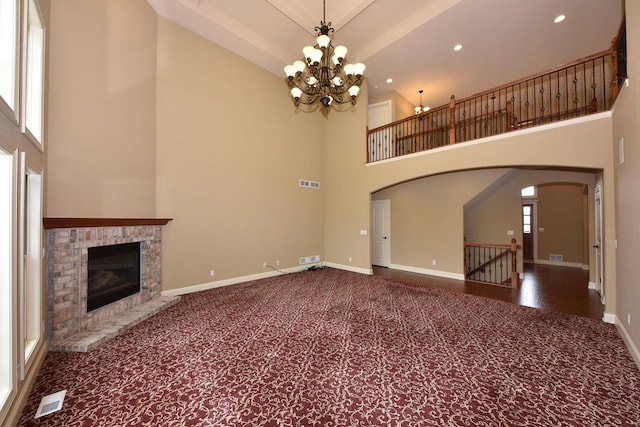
(367, 271)
(231, 281)
(438, 273)
(512, 134)
(609, 318)
(593, 286)
(633, 350)
(558, 263)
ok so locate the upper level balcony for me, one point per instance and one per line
(587, 86)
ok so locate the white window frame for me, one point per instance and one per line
(33, 74)
(8, 278)
(10, 45)
(30, 256)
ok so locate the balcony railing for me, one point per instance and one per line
(586, 86)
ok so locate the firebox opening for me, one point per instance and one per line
(113, 273)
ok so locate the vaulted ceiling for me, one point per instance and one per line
(411, 41)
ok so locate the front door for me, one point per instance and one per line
(381, 224)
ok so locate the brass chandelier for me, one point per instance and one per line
(323, 78)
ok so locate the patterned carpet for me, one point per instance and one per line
(334, 348)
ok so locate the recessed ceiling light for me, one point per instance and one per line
(559, 18)
(457, 47)
(389, 80)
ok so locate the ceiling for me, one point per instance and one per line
(411, 41)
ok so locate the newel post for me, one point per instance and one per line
(514, 267)
(452, 120)
(615, 89)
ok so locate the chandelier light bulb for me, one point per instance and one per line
(299, 66)
(316, 56)
(340, 52)
(308, 51)
(349, 69)
(290, 71)
(311, 80)
(418, 110)
(296, 93)
(354, 90)
(359, 69)
(323, 40)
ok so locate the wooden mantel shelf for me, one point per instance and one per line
(50, 223)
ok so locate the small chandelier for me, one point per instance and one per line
(324, 78)
(421, 109)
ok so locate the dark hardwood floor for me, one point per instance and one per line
(553, 288)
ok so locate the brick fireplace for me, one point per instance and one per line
(69, 324)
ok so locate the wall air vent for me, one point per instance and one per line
(309, 259)
(308, 184)
(555, 257)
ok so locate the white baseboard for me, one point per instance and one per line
(609, 318)
(628, 341)
(561, 264)
(438, 273)
(232, 281)
(360, 270)
(592, 286)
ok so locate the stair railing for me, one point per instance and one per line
(491, 263)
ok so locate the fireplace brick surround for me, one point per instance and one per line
(69, 326)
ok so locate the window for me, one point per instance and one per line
(30, 250)
(6, 274)
(526, 219)
(528, 191)
(33, 121)
(9, 55)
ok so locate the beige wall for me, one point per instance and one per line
(559, 213)
(101, 148)
(401, 106)
(626, 126)
(228, 165)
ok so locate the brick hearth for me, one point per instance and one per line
(69, 326)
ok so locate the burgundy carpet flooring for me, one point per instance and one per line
(334, 348)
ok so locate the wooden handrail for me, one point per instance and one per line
(538, 75)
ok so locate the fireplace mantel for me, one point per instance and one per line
(51, 223)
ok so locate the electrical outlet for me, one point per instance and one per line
(264, 264)
(212, 273)
(350, 259)
(629, 319)
(278, 262)
(433, 262)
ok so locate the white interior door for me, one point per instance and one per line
(381, 225)
(598, 245)
(379, 114)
